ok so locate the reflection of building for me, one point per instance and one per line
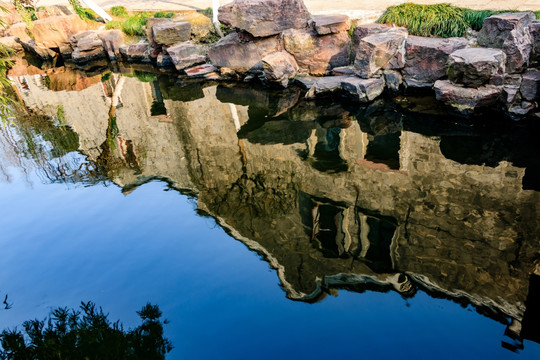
(330, 202)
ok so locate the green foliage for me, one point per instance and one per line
(85, 14)
(162, 14)
(5, 101)
(208, 12)
(132, 26)
(142, 76)
(106, 76)
(26, 11)
(119, 11)
(442, 20)
(87, 334)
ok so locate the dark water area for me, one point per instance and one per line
(267, 226)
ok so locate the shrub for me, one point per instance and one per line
(132, 26)
(85, 14)
(119, 11)
(161, 14)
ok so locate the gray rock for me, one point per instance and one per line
(326, 86)
(136, 52)
(509, 94)
(530, 85)
(464, 100)
(534, 29)
(265, 17)
(279, 67)
(361, 31)
(150, 23)
(521, 109)
(242, 56)
(393, 80)
(112, 41)
(425, 59)
(331, 24)
(170, 33)
(89, 42)
(164, 60)
(305, 82)
(474, 67)
(186, 54)
(80, 57)
(362, 90)
(509, 32)
(317, 55)
(378, 51)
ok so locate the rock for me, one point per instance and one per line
(331, 24)
(241, 56)
(186, 54)
(170, 33)
(317, 55)
(11, 42)
(112, 41)
(204, 71)
(509, 94)
(201, 26)
(534, 29)
(43, 53)
(89, 42)
(164, 60)
(425, 59)
(10, 16)
(362, 90)
(343, 70)
(80, 57)
(326, 86)
(361, 31)
(465, 100)
(393, 80)
(305, 82)
(54, 10)
(265, 17)
(56, 31)
(521, 109)
(279, 67)
(530, 85)
(136, 52)
(20, 31)
(378, 51)
(150, 23)
(474, 67)
(509, 32)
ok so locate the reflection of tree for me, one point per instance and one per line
(87, 334)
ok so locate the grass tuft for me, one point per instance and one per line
(119, 11)
(161, 14)
(132, 26)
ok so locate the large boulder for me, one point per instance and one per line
(169, 32)
(331, 24)
(425, 59)
(464, 100)
(186, 54)
(112, 41)
(474, 67)
(89, 48)
(509, 32)
(11, 42)
(242, 55)
(317, 55)
(150, 23)
(265, 17)
(279, 68)
(530, 85)
(20, 31)
(534, 29)
(361, 31)
(56, 31)
(362, 90)
(378, 51)
(201, 26)
(10, 15)
(139, 52)
(326, 86)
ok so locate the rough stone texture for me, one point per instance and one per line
(112, 41)
(11, 41)
(425, 59)
(186, 54)
(474, 67)
(89, 42)
(343, 70)
(163, 60)
(265, 17)
(393, 80)
(520, 109)
(530, 85)
(201, 26)
(466, 100)
(534, 29)
(326, 86)
(170, 33)
(362, 90)
(19, 30)
(509, 32)
(83, 57)
(279, 67)
(136, 52)
(361, 31)
(10, 16)
(331, 24)
(317, 55)
(150, 23)
(38, 51)
(56, 31)
(204, 71)
(55, 10)
(378, 51)
(240, 56)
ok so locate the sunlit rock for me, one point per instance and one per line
(331, 24)
(474, 67)
(279, 68)
(383, 50)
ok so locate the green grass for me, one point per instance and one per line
(161, 14)
(440, 20)
(132, 26)
(84, 13)
(119, 11)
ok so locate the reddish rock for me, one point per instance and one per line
(112, 41)
(465, 100)
(425, 59)
(331, 24)
(530, 85)
(317, 55)
(378, 51)
(509, 32)
(206, 71)
(20, 31)
(242, 56)
(55, 10)
(265, 17)
(474, 67)
(136, 52)
(361, 31)
(170, 33)
(279, 68)
(186, 54)
(56, 31)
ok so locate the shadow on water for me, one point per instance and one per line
(394, 195)
(87, 333)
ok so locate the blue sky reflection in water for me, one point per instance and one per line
(66, 243)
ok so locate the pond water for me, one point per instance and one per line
(267, 226)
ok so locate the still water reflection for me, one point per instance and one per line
(425, 216)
